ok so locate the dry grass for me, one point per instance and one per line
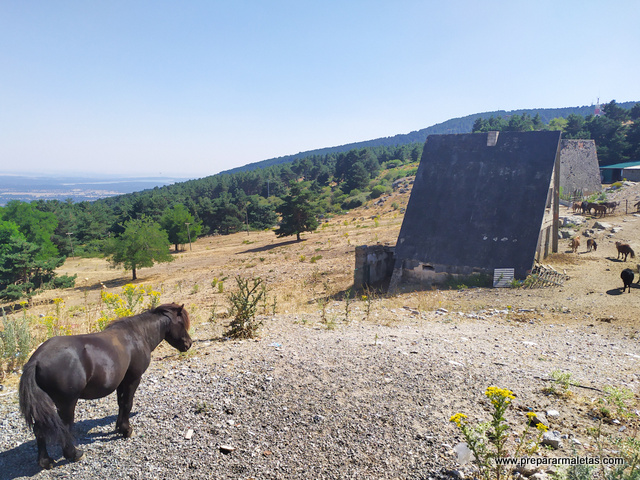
(300, 276)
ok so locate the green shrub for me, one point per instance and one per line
(393, 163)
(244, 304)
(378, 191)
(353, 202)
(64, 281)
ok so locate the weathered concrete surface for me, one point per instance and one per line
(476, 207)
(579, 168)
(374, 265)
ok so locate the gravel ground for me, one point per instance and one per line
(359, 401)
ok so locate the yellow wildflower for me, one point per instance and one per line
(541, 427)
(499, 395)
(458, 419)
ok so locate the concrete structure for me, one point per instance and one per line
(374, 265)
(579, 169)
(480, 202)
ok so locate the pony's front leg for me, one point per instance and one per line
(67, 413)
(126, 390)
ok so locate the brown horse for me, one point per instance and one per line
(591, 245)
(65, 369)
(599, 209)
(624, 249)
(574, 244)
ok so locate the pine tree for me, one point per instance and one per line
(298, 214)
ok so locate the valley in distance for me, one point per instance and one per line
(27, 188)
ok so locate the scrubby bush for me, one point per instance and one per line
(244, 305)
(353, 202)
(15, 340)
(393, 163)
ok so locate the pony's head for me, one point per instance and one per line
(178, 332)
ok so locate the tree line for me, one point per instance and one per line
(135, 230)
(616, 133)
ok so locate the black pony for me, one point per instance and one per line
(627, 278)
(65, 369)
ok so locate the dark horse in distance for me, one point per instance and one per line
(627, 278)
(65, 369)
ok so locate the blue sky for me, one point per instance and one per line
(192, 88)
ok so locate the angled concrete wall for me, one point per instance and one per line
(579, 168)
(477, 204)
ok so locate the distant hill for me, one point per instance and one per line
(454, 125)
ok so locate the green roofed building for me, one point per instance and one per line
(621, 171)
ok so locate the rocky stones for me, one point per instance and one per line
(552, 439)
(227, 449)
(602, 225)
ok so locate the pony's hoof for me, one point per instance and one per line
(78, 455)
(45, 463)
(74, 455)
(123, 430)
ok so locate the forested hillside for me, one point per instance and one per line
(136, 230)
(454, 125)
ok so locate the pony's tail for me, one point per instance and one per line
(38, 408)
(633, 254)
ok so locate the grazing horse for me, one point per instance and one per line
(599, 209)
(591, 245)
(574, 244)
(611, 206)
(627, 279)
(624, 249)
(577, 206)
(586, 207)
(65, 369)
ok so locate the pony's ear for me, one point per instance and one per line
(180, 309)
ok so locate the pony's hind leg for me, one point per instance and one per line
(126, 390)
(67, 414)
(44, 460)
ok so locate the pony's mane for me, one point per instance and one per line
(136, 321)
(176, 310)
